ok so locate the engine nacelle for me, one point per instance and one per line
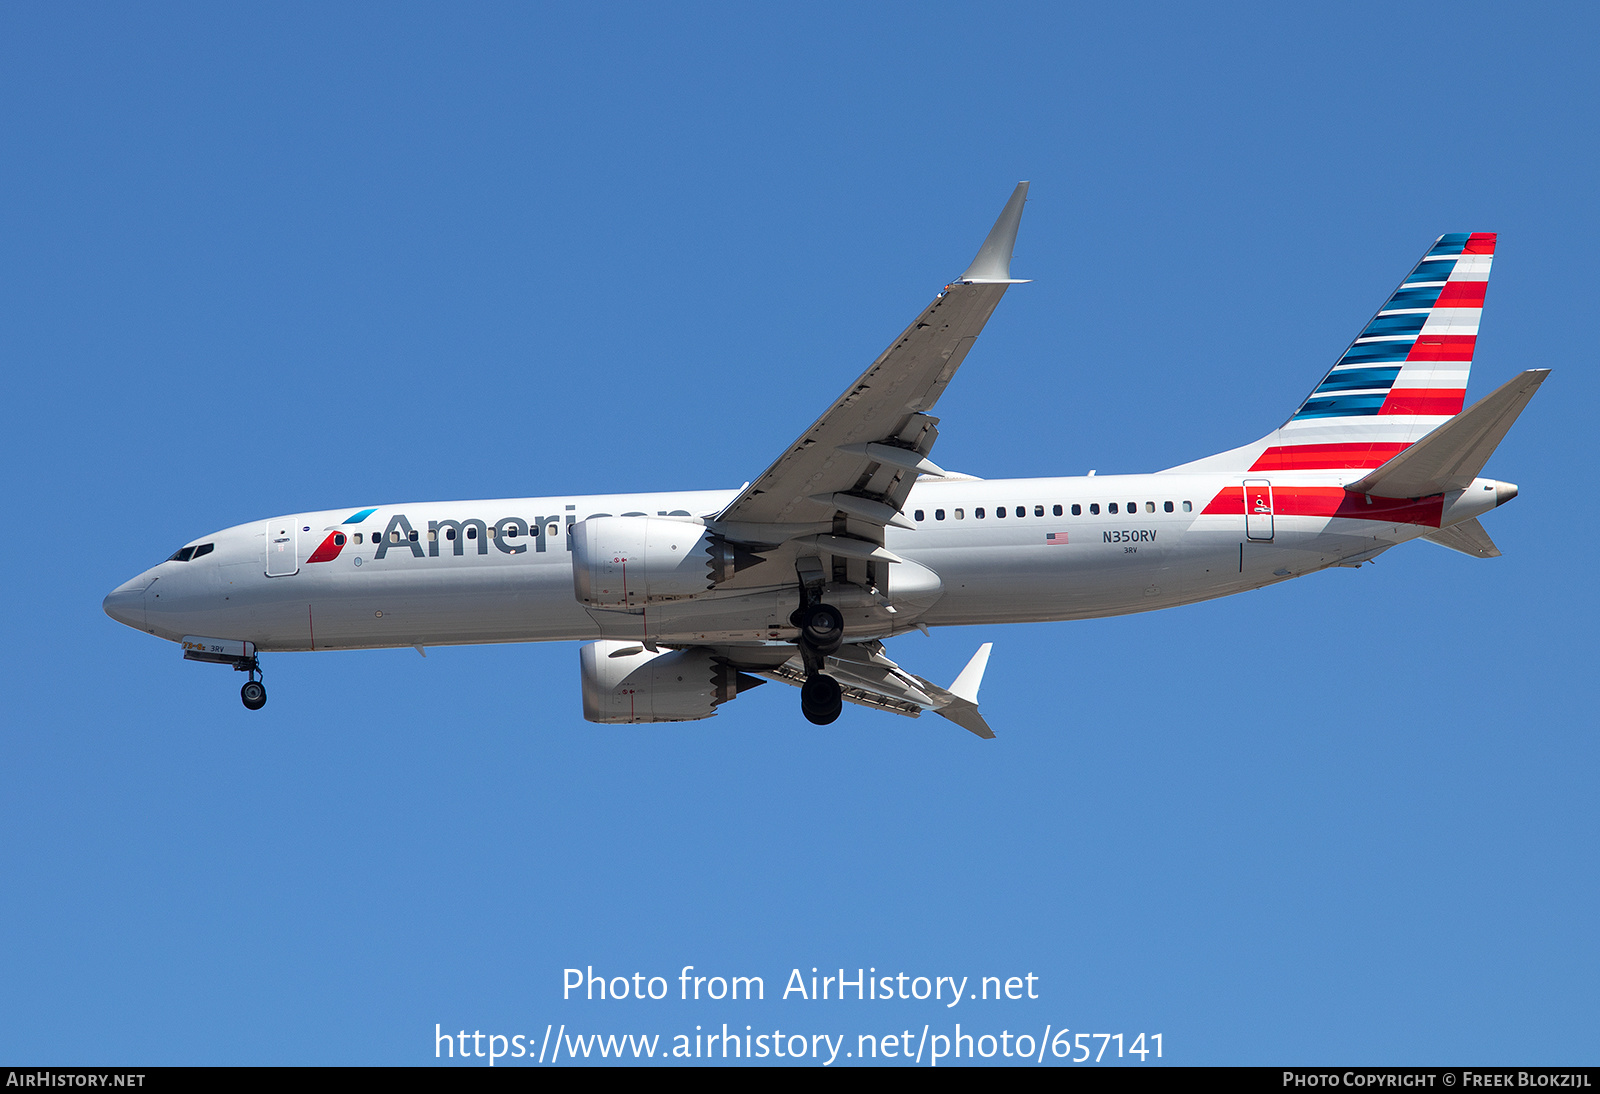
(624, 683)
(628, 562)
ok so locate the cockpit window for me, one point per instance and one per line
(187, 553)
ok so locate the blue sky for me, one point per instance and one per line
(257, 262)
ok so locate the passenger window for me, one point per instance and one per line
(1077, 510)
(358, 539)
(938, 514)
(1094, 509)
(1167, 506)
(1022, 510)
(961, 514)
(1149, 507)
(1038, 510)
(449, 533)
(472, 533)
(977, 514)
(1187, 507)
(412, 537)
(394, 536)
(338, 540)
(1133, 507)
(918, 514)
(1000, 510)
(555, 529)
(1112, 507)
(433, 534)
(511, 533)
(1056, 511)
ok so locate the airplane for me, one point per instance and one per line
(685, 600)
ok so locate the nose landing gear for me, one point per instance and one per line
(254, 695)
(254, 692)
(230, 651)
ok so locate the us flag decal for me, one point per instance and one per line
(1055, 539)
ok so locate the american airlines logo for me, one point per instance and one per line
(475, 536)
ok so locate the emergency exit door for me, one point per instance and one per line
(1258, 510)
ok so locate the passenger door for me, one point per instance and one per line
(283, 558)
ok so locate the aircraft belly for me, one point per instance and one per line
(448, 605)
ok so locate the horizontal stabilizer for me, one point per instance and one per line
(1451, 456)
(1468, 537)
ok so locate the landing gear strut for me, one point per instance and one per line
(821, 633)
(254, 692)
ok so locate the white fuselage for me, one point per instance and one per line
(1173, 538)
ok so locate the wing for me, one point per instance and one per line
(868, 678)
(859, 460)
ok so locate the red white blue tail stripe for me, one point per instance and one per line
(1414, 356)
(1403, 376)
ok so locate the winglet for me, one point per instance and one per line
(993, 264)
(966, 685)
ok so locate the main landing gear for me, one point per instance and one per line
(821, 699)
(821, 633)
(254, 692)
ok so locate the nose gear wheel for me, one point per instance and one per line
(254, 692)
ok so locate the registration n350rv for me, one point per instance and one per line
(854, 535)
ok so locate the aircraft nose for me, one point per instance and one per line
(125, 603)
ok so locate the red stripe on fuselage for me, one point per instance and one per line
(1315, 457)
(1423, 400)
(1334, 501)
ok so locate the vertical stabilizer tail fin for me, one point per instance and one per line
(1403, 376)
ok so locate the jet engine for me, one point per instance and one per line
(626, 562)
(623, 683)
